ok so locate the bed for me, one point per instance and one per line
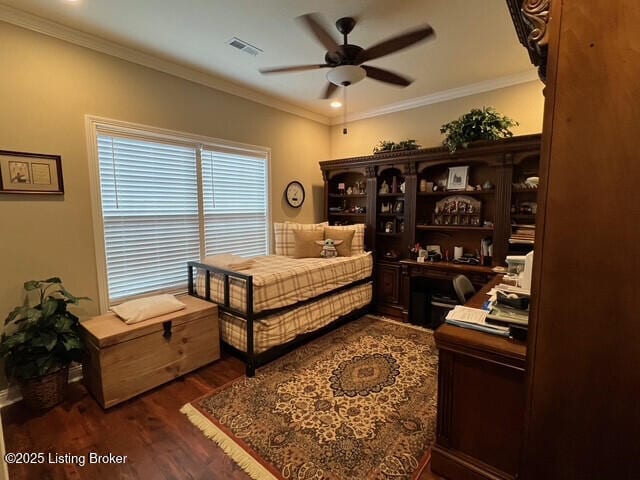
(281, 302)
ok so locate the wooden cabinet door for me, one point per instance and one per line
(388, 284)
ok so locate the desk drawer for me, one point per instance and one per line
(478, 279)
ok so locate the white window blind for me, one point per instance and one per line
(168, 198)
(150, 214)
(235, 203)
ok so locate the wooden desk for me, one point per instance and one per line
(444, 271)
(480, 402)
(476, 273)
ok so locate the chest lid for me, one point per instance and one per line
(109, 329)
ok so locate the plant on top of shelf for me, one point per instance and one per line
(478, 124)
(389, 146)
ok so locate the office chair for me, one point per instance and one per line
(463, 288)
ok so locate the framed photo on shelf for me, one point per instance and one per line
(389, 227)
(30, 173)
(458, 177)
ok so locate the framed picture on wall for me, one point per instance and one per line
(22, 172)
(458, 177)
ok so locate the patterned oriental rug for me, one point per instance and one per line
(357, 403)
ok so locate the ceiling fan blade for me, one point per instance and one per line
(386, 76)
(311, 21)
(394, 44)
(329, 91)
(293, 68)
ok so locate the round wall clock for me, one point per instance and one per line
(294, 193)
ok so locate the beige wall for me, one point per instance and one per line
(523, 103)
(47, 87)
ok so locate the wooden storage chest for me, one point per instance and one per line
(123, 360)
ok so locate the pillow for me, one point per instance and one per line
(305, 243)
(357, 245)
(344, 249)
(140, 309)
(283, 233)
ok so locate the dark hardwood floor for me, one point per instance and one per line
(159, 441)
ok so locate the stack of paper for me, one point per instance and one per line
(475, 319)
(505, 288)
(504, 314)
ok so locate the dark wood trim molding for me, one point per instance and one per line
(530, 18)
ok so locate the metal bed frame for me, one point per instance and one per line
(251, 359)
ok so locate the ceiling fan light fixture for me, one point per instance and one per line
(345, 75)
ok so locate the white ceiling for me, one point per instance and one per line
(475, 41)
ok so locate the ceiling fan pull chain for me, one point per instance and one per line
(344, 112)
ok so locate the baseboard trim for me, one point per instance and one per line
(4, 468)
(451, 463)
(11, 394)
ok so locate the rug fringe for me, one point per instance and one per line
(250, 465)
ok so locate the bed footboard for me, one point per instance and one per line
(247, 315)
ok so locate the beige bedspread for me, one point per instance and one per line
(280, 328)
(280, 281)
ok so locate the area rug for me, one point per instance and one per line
(357, 403)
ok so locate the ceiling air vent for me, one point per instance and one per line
(244, 46)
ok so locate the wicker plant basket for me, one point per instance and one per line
(45, 392)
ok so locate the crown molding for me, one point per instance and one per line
(444, 96)
(47, 27)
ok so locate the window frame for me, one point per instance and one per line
(95, 125)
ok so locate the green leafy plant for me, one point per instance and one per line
(389, 146)
(478, 124)
(42, 338)
(408, 144)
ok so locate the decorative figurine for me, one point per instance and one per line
(350, 191)
(487, 185)
(329, 247)
(424, 185)
(403, 186)
(384, 188)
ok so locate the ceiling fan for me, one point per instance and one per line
(345, 61)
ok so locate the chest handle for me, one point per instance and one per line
(167, 330)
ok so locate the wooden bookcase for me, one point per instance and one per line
(404, 212)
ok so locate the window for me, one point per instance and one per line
(166, 199)
(149, 212)
(235, 204)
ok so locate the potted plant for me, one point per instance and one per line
(478, 124)
(389, 146)
(40, 341)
